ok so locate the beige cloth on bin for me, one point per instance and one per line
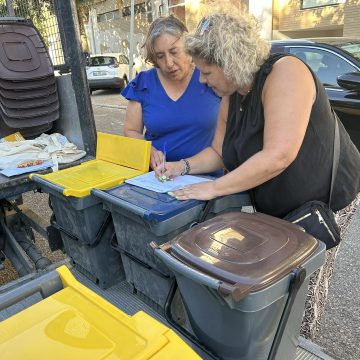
(54, 147)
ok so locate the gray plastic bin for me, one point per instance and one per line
(86, 230)
(234, 273)
(142, 216)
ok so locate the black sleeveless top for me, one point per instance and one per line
(309, 176)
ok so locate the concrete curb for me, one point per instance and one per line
(122, 107)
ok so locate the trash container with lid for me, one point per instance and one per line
(73, 322)
(141, 216)
(86, 228)
(234, 273)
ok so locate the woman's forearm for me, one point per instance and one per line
(205, 162)
(133, 134)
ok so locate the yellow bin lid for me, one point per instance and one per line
(76, 323)
(117, 158)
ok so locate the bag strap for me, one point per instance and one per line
(336, 156)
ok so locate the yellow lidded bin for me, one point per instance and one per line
(76, 323)
(117, 158)
(86, 228)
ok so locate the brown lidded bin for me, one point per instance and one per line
(28, 95)
(234, 273)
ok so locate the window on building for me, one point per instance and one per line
(177, 8)
(308, 4)
(326, 64)
(144, 7)
(108, 16)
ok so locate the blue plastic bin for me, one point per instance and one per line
(142, 216)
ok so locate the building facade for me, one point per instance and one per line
(108, 29)
(316, 18)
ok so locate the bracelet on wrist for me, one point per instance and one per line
(186, 167)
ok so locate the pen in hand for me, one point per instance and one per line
(163, 177)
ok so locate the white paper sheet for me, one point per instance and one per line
(149, 181)
(18, 171)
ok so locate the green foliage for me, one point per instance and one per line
(40, 12)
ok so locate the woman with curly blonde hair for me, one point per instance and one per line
(278, 138)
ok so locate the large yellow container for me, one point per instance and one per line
(117, 158)
(75, 323)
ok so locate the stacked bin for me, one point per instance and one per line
(142, 216)
(28, 96)
(86, 228)
(243, 279)
(72, 322)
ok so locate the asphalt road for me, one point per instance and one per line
(109, 111)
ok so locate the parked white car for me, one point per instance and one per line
(106, 71)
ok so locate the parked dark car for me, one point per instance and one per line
(336, 61)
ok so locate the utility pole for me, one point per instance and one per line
(164, 7)
(131, 51)
(10, 8)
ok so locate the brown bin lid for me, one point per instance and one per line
(26, 114)
(252, 251)
(34, 121)
(34, 131)
(26, 132)
(28, 85)
(23, 55)
(28, 104)
(29, 94)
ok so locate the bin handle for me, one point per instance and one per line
(46, 183)
(113, 200)
(237, 291)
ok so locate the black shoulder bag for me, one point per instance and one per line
(316, 217)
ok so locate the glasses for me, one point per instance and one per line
(204, 26)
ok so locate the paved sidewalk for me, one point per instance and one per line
(108, 99)
(340, 334)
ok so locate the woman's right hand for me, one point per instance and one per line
(172, 169)
(156, 158)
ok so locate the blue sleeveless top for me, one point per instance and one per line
(186, 125)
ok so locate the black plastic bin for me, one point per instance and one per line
(86, 230)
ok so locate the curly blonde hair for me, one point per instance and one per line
(232, 43)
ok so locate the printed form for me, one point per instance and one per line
(151, 182)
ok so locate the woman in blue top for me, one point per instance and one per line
(179, 113)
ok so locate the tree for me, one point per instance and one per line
(38, 11)
(83, 10)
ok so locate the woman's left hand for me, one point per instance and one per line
(200, 191)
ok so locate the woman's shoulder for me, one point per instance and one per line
(142, 81)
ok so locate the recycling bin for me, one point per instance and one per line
(73, 322)
(243, 279)
(142, 216)
(86, 228)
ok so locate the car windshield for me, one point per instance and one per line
(101, 60)
(352, 47)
